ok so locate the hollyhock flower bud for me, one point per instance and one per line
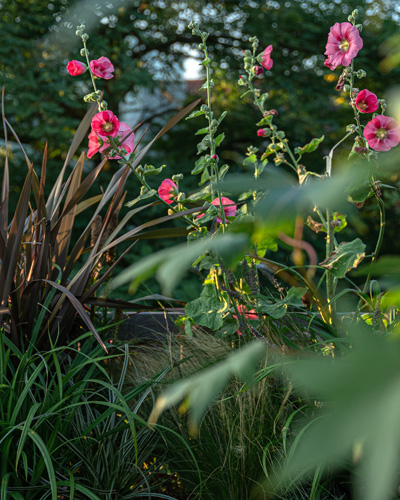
(102, 68)
(360, 150)
(367, 102)
(214, 157)
(168, 191)
(344, 42)
(382, 133)
(261, 132)
(105, 123)
(266, 60)
(258, 70)
(76, 68)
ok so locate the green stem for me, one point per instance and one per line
(330, 282)
(91, 74)
(211, 133)
(356, 113)
(382, 223)
(143, 181)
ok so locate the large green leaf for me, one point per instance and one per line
(207, 310)
(345, 257)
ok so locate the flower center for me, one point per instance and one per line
(344, 45)
(107, 127)
(362, 105)
(381, 134)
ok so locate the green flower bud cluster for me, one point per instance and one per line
(80, 30)
(254, 42)
(94, 96)
(382, 104)
(353, 16)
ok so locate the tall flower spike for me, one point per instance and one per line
(344, 42)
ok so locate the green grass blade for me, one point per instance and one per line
(25, 430)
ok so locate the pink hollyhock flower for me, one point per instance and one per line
(367, 102)
(76, 68)
(106, 123)
(266, 60)
(228, 205)
(344, 42)
(382, 133)
(94, 143)
(124, 138)
(247, 314)
(168, 191)
(102, 68)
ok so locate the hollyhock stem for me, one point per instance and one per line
(284, 141)
(210, 125)
(382, 224)
(145, 184)
(330, 283)
(356, 112)
(91, 74)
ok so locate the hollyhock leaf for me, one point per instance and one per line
(219, 139)
(203, 145)
(194, 114)
(205, 176)
(207, 310)
(202, 131)
(201, 164)
(153, 170)
(228, 329)
(223, 170)
(250, 160)
(345, 257)
(223, 114)
(143, 196)
(311, 146)
(267, 120)
(274, 309)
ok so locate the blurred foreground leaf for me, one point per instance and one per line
(199, 391)
(360, 399)
(170, 264)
